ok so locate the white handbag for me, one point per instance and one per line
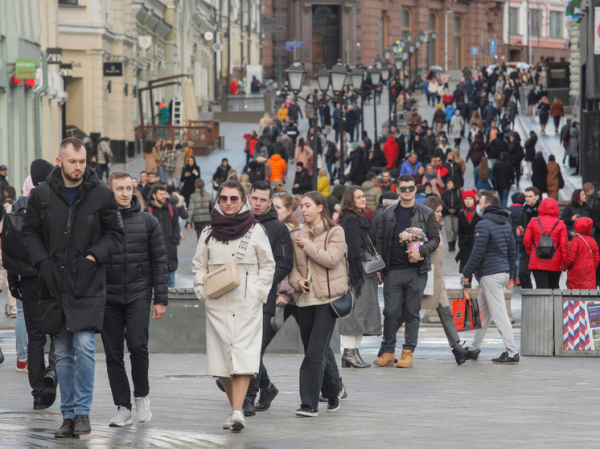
(226, 277)
(430, 282)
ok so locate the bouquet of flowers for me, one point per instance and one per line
(413, 237)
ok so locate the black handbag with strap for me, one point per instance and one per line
(343, 306)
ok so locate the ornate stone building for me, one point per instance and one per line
(358, 30)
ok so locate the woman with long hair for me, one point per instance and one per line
(439, 300)
(530, 151)
(544, 112)
(467, 220)
(189, 174)
(575, 210)
(539, 172)
(366, 317)
(151, 156)
(234, 327)
(482, 176)
(557, 111)
(303, 153)
(199, 208)
(319, 277)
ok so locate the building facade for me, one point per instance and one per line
(356, 31)
(536, 30)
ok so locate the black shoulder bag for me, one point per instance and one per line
(341, 307)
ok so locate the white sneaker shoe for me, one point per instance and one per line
(142, 407)
(237, 420)
(122, 418)
(227, 423)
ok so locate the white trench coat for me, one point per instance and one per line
(234, 325)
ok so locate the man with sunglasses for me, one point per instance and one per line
(405, 272)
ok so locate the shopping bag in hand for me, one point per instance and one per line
(465, 313)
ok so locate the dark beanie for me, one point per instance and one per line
(390, 195)
(39, 171)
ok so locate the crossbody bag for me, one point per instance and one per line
(341, 307)
(226, 277)
(374, 262)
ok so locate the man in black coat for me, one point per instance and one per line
(71, 228)
(24, 286)
(454, 171)
(530, 210)
(504, 174)
(302, 181)
(359, 167)
(291, 130)
(405, 272)
(493, 262)
(134, 270)
(167, 213)
(281, 245)
(294, 111)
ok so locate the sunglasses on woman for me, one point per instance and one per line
(232, 199)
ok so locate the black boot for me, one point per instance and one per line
(38, 404)
(451, 246)
(361, 359)
(49, 394)
(66, 429)
(460, 354)
(248, 408)
(82, 425)
(350, 360)
(266, 397)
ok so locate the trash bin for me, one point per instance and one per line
(537, 322)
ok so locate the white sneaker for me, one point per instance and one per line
(237, 420)
(142, 407)
(122, 418)
(227, 423)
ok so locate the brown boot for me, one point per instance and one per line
(386, 359)
(405, 359)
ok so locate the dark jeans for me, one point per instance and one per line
(457, 142)
(36, 339)
(524, 272)
(546, 279)
(127, 322)
(556, 122)
(447, 320)
(104, 169)
(503, 194)
(316, 372)
(403, 291)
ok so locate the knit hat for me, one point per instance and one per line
(39, 170)
(469, 193)
(390, 195)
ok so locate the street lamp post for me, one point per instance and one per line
(357, 79)
(398, 60)
(296, 76)
(385, 76)
(375, 75)
(339, 74)
(411, 50)
(417, 46)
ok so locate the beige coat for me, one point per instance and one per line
(234, 324)
(320, 260)
(152, 160)
(440, 296)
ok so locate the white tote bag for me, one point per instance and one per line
(430, 281)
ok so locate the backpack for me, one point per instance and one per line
(545, 248)
(14, 256)
(150, 210)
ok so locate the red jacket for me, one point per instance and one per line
(391, 151)
(447, 99)
(583, 259)
(548, 215)
(251, 142)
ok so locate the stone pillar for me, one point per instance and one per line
(573, 28)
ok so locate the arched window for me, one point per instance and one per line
(458, 42)
(431, 54)
(383, 32)
(406, 22)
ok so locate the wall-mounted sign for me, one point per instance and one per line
(145, 42)
(66, 70)
(25, 69)
(113, 69)
(208, 36)
(217, 46)
(54, 55)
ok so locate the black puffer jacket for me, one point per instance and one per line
(283, 253)
(140, 262)
(494, 248)
(58, 237)
(170, 228)
(423, 218)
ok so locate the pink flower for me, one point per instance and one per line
(404, 234)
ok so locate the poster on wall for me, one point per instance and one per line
(581, 325)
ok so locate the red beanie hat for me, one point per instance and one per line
(469, 193)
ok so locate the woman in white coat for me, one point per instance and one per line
(234, 320)
(457, 126)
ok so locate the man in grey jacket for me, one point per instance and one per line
(493, 263)
(405, 272)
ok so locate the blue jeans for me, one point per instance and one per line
(503, 194)
(75, 364)
(21, 333)
(171, 283)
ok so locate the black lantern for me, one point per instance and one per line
(378, 62)
(323, 79)
(375, 75)
(398, 62)
(296, 75)
(338, 77)
(387, 54)
(357, 77)
(385, 72)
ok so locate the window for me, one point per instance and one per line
(432, 25)
(513, 21)
(458, 42)
(556, 24)
(406, 22)
(67, 2)
(535, 25)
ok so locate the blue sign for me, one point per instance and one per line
(289, 46)
(474, 50)
(493, 47)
